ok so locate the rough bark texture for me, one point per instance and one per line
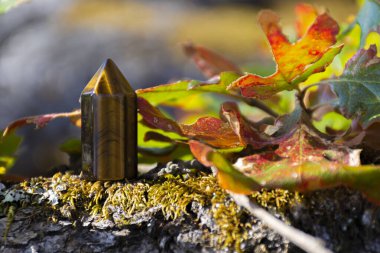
(345, 220)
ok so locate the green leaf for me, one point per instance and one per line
(148, 155)
(8, 146)
(334, 121)
(6, 5)
(182, 89)
(71, 146)
(368, 19)
(358, 88)
(153, 151)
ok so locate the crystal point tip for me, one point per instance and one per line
(108, 80)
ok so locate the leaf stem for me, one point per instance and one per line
(346, 31)
(306, 118)
(257, 103)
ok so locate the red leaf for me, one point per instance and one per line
(154, 117)
(243, 128)
(300, 148)
(232, 131)
(41, 120)
(207, 61)
(303, 163)
(211, 130)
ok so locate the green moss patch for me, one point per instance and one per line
(173, 197)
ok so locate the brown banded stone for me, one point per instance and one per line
(109, 126)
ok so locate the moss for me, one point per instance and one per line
(227, 216)
(281, 199)
(9, 211)
(74, 198)
(175, 194)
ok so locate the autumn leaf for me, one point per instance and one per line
(155, 145)
(241, 126)
(231, 131)
(228, 177)
(249, 135)
(358, 88)
(302, 163)
(41, 120)
(295, 61)
(220, 71)
(300, 148)
(212, 130)
(306, 162)
(305, 16)
(208, 62)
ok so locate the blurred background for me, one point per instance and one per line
(49, 49)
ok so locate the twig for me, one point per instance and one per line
(307, 120)
(304, 241)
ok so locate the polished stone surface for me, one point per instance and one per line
(109, 126)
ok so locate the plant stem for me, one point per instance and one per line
(346, 31)
(306, 118)
(257, 103)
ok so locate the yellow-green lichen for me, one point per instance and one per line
(72, 197)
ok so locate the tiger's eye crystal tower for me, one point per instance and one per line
(109, 126)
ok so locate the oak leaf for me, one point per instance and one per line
(358, 88)
(231, 131)
(368, 19)
(295, 61)
(302, 163)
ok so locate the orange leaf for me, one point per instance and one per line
(200, 152)
(213, 131)
(295, 61)
(228, 177)
(305, 14)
